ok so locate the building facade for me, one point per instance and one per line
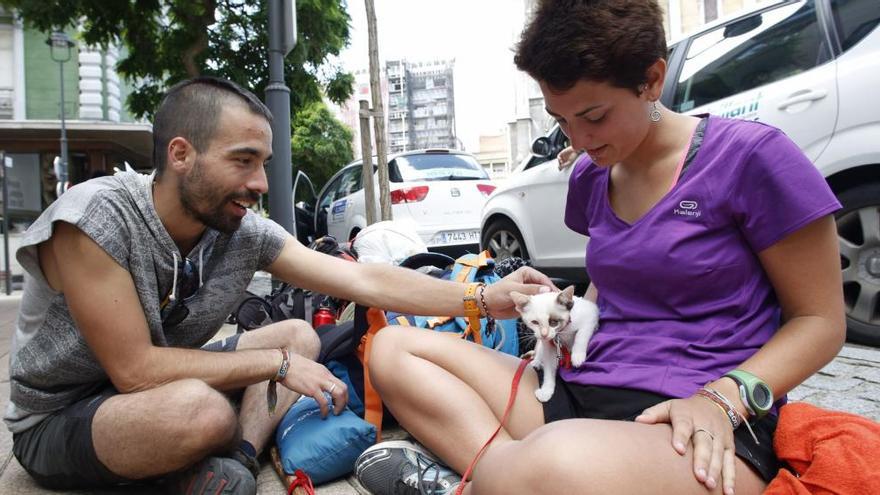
(419, 102)
(493, 155)
(421, 105)
(101, 134)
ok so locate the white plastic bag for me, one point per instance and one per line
(388, 242)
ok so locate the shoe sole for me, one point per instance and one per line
(402, 444)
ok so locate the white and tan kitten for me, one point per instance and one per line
(557, 319)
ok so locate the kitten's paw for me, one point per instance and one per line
(578, 358)
(543, 395)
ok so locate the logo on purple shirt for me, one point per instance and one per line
(687, 209)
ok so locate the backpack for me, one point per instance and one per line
(286, 301)
(353, 369)
(345, 346)
(469, 268)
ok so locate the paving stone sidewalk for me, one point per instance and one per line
(850, 383)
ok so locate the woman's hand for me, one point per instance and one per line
(699, 421)
(525, 280)
(307, 377)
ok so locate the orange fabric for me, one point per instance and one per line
(472, 312)
(834, 452)
(372, 402)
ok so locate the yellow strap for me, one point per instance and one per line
(472, 312)
(402, 321)
(483, 259)
(437, 320)
(462, 275)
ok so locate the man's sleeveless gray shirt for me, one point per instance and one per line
(50, 364)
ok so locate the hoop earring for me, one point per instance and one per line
(655, 113)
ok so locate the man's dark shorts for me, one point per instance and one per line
(572, 400)
(59, 453)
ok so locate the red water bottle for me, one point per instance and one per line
(324, 315)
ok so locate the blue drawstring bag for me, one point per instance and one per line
(325, 449)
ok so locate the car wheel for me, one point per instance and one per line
(503, 240)
(858, 231)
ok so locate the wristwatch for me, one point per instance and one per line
(755, 394)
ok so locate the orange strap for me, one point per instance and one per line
(372, 402)
(472, 312)
(514, 386)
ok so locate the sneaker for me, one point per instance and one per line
(216, 475)
(404, 468)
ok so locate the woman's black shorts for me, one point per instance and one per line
(572, 400)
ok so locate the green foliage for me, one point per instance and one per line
(166, 41)
(321, 144)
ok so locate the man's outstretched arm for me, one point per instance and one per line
(395, 288)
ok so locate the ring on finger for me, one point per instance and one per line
(333, 387)
(707, 432)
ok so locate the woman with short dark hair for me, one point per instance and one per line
(714, 262)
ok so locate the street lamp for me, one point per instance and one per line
(60, 48)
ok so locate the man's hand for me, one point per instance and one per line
(525, 281)
(314, 379)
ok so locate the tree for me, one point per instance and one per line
(166, 41)
(321, 144)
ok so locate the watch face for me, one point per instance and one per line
(763, 397)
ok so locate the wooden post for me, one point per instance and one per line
(367, 155)
(378, 113)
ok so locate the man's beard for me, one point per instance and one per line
(206, 203)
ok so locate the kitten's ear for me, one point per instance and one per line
(566, 297)
(519, 300)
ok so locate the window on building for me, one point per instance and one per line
(7, 82)
(710, 10)
(751, 52)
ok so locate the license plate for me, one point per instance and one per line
(460, 236)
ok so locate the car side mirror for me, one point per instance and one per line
(542, 148)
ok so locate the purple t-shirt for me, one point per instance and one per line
(683, 297)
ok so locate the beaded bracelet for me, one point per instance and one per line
(725, 406)
(732, 413)
(490, 322)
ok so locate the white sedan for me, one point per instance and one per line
(439, 192)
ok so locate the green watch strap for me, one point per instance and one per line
(754, 392)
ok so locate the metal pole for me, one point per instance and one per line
(367, 169)
(8, 271)
(278, 101)
(63, 177)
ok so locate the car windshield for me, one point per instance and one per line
(437, 166)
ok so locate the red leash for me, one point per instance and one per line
(301, 480)
(514, 386)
